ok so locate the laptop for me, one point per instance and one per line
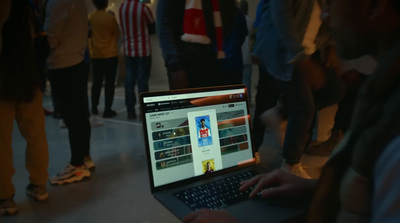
(199, 147)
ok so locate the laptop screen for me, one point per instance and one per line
(193, 132)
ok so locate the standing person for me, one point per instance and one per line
(137, 24)
(301, 57)
(359, 183)
(66, 25)
(104, 53)
(20, 100)
(246, 47)
(191, 34)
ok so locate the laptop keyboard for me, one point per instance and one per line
(217, 194)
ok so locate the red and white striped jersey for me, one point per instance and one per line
(135, 18)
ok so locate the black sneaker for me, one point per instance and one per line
(131, 115)
(39, 193)
(8, 207)
(326, 148)
(109, 113)
(95, 111)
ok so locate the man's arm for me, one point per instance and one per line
(56, 13)
(168, 44)
(166, 10)
(151, 24)
(283, 17)
(386, 193)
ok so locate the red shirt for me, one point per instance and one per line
(204, 133)
(135, 17)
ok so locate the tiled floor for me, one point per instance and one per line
(118, 190)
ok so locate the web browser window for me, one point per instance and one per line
(192, 134)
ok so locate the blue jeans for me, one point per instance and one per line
(137, 69)
(302, 103)
(246, 78)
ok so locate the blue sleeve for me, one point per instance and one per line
(258, 14)
(386, 192)
(165, 24)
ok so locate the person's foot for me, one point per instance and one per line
(47, 112)
(109, 113)
(62, 124)
(70, 174)
(95, 122)
(131, 115)
(326, 148)
(39, 193)
(95, 111)
(89, 164)
(8, 207)
(295, 169)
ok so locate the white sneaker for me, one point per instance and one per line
(95, 122)
(62, 124)
(89, 164)
(70, 174)
(295, 169)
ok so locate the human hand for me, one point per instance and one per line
(352, 79)
(289, 185)
(179, 79)
(331, 58)
(210, 216)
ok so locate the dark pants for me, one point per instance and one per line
(137, 69)
(53, 99)
(201, 66)
(104, 69)
(266, 97)
(302, 103)
(70, 91)
(346, 106)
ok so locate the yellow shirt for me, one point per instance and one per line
(105, 31)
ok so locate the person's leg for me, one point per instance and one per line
(31, 123)
(331, 93)
(266, 97)
(298, 99)
(110, 73)
(7, 116)
(130, 81)
(56, 111)
(71, 92)
(143, 73)
(98, 76)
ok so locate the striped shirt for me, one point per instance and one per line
(135, 18)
